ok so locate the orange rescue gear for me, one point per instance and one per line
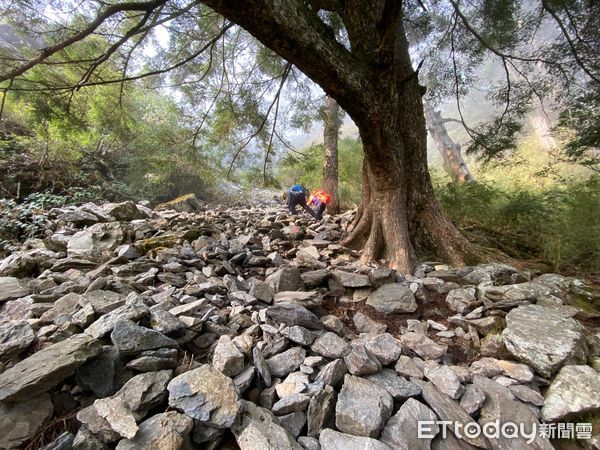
(321, 195)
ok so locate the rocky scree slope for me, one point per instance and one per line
(246, 328)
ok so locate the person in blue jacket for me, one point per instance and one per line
(296, 196)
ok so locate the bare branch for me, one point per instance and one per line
(284, 76)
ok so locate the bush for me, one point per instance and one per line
(559, 223)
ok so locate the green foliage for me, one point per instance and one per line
(579, 128)
(558, 223)
(308, 170)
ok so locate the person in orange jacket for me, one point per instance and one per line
(319, 199)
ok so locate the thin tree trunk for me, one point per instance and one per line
(454, 163)
(330, 162)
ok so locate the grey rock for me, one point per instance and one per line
(95, 240)
(207, 395)
(284, 363)
(321, 411)
(330, 345)
(131, 339)
(64, 305)
(527, 394)
(20, 421)
(360, 361)
(151, 363)
(102, 301)
(574, 391)
(144, 392)
(227, 358)
(306, 299)
(332, 323)
(401, 430)
(293, 422)
(261, 368)
(118, 416)
(407, 368)
(62, 442)
(259, 430)
(448, 409)
(292, 314)
(103, 375)
(362, 408)
(334, 440)
(309, 443)
(12, 288)
(398, 387)
(392, 299)
(43, 370)
(385, 347)
(165, 431)
(107, 322)
(544, 338)
(351, 280)
(285, 279)
(332, 373)
(244, 379)
(422, 345)
(472, 400)
(262, 291)
(460, 299)
(501, 405)
(364, 324)
(86, 440)
(445, 380)
(315, 278)
(166, 323)
(125, 211)
(15, 337)
(290, 404)
(299, 335)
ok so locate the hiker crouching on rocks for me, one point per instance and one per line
(319, 199)
(296, 196)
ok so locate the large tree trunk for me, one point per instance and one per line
(454, 164)
(330, 162)
(400, 220)
(373, 80)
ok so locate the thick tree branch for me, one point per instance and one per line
(306, 41)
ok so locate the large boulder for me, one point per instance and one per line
(501, 405)
(95, 240)
(401, 431)
(186, 203)
(45, 369)
(205, 394)
(574, 392)
(363, 407)
(392, 298)
(544, 338)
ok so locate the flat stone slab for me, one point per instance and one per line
(574, 391)
(45, 369)
(544, 338)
